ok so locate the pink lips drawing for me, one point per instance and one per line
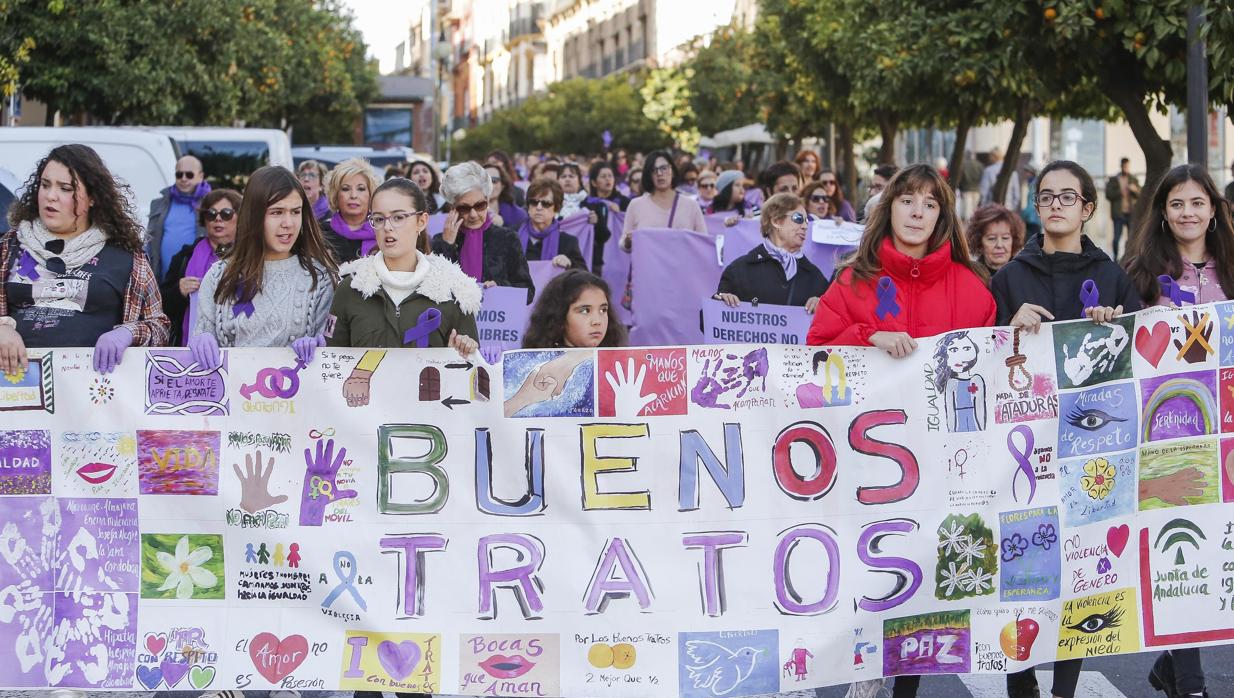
(96, 473)
(502, 667)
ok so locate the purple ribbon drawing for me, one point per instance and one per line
(1089, 295)
(1170, 289)
(1024, 464)
(886, 292)
(27, 267)
(426, 324)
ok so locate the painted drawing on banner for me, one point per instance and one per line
(642, 382)
(176, 385)
(930, 643)
(722, 379)
(1024, 386)
(1092, 626)
(181, 566)
(1087, 354)
(1098, 488)
(1178, 474)
(96, 464)
(956, 379)
(549, 384)
(30, 389)
(823, 377)
(1179, 405)
(511, 665)
(391, 661)
(25, 462)
(737, 662)
(178, 462)
(967, 558)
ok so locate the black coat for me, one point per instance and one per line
(175, 305)
(1053, 281)
(603, 233)
(344, 249)
(504, 263)
(756, 275)
(567, 244)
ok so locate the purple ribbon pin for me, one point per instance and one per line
(1021, 456)
(27, 267)
(1170, 289)
(242, 308)
(426, 324)
(1089, 295)
(886, 292)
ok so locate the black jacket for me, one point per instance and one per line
(603, 233)
(504, 263)
(567, 244)
(344, 249)
(1053, 281)
(757, 275)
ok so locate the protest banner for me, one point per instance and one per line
(656, 521)
(760, 323)
(542, 272)
(502, 319)
(578, 226)
(671, 275)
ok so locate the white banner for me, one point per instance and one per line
(695, 521)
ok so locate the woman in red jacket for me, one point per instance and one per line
(910, 277)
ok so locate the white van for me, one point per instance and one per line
(230, 155)
(143, 160)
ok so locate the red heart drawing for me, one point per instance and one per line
(1152, 345)
(156, 643)
(1116, 539)
(274, 658)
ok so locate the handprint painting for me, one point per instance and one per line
(642, 382)
(549, 384)
(1088, 354)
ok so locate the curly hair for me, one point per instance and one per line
(112, 211)
(546, 329)
(987, 216)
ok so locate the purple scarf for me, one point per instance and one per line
(364, 232)
(548, 238)
(191, 199)
(199, 263)
(322, 207)
(471, 257)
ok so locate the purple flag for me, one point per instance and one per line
(502, 318)
(754, 324)
(578, 226)
(673, 274)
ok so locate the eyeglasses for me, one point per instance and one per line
(396, 220)
(495, 179)
(797, 217)
(663, 169)
(213, 214)
(819, 199)
(308, 176)
(185, 175)
(479, 207)
(1067, 198)
(827, 182)
(709, 185)
(540, 203)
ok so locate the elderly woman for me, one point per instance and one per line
(995, 235)
(312, 176)
(541, 235)
(349, 189)
(487, 253)
(776, 271)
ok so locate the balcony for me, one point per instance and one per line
(522, 26)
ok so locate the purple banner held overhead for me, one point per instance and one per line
(502, 319)
(673, 272)
(542, 272)
(754, 324)
(578, 226)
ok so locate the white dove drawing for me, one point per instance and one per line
(717, 668)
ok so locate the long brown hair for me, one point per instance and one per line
(1153, 249)
(242, 278)
(911, 180)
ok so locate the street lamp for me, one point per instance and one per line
(441, 52)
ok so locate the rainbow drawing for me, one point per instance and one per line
(1196, 391)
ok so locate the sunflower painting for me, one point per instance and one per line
(181, 566)
(1098, 478)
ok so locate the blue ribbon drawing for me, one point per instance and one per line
(1170, 289)
(1089, 295)
(426, 324)
(346, 581)
(1024, 465)
(886, 292)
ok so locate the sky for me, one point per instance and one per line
(385, 25)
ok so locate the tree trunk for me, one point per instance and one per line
(888, 126)
(956, 164)
(1011, 162)
(846, 160)
(1157, 151)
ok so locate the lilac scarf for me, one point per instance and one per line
(191, 199)
(321, 207)
(199, 263)
(364, 233)
(471, 257)
(548, 238)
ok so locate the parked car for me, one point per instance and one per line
(378, 160)
(229, 155)
(8, 194)
(145, 161)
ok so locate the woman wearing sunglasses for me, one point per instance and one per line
(776, 271)
(541, 235)
(179, 288)
(831, 187)
(487, 253)
(818, 204)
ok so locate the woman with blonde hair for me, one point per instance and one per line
(349, 190)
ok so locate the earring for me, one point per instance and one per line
(1212, 224)
(1163, 225)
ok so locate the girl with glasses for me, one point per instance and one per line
(488, 253)
(74, 271)
(401, 286)
(911, 275)
(275, 287)
(541, 235)
(189, 266)
(776, 271)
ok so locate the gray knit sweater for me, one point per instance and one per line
(285, 310)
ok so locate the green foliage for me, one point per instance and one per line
(668, 103)
(271, 63)
(569, 118)
(724, 89)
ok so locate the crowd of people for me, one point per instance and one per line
(335, 257)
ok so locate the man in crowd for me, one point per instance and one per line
(173, 217)
(990, 176)
(1121, 191)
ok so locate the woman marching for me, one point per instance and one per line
(776, 271)
(74, 271)
(1060, 275)
(347, 232)
(218, 216)
(541, 235)
(275, 287)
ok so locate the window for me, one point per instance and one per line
(430, 384)
(392, 126)
(228, 163)
(480, 387)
